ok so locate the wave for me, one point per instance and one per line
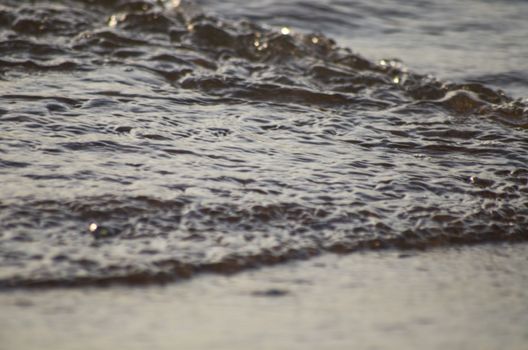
(146, 141)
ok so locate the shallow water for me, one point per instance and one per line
(143, 141)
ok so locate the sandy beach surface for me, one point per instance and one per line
(455, 298)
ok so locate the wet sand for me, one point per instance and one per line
(455, 298)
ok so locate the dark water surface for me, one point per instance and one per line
(144, 141)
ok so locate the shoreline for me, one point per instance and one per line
(451, 297)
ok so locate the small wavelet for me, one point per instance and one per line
(147, 141)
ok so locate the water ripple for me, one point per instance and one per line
(143, 142)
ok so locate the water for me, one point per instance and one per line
(146, 141)
(477, 40)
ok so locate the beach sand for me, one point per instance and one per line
(472, 297)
